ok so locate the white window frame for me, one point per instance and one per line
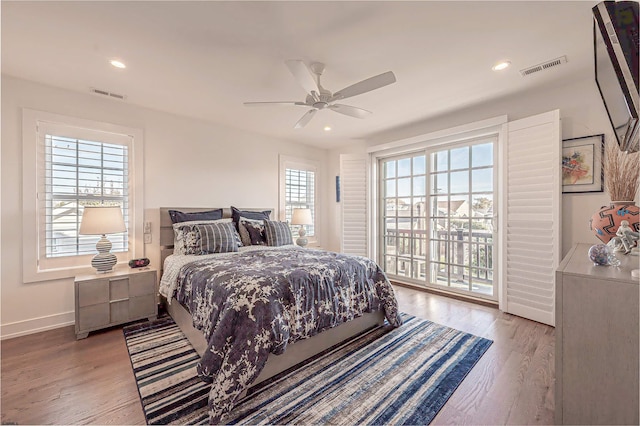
(493, 127)
(427, 152)
(34, 123)
(285, 163)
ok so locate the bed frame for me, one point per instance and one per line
(295, 353)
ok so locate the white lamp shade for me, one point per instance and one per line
(100, 220)
(301, 217)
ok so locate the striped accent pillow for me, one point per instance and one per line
(217, 238)
(277, 233)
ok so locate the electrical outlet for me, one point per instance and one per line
(147, 227)
(147, 238)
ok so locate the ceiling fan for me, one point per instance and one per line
(320, 98)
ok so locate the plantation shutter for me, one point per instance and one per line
(79, 167)
(353, 192)
(531, 217)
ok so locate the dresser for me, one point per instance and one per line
(118, 297)
(597, 341)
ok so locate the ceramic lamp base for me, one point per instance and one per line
(104, 261)
(302, 240)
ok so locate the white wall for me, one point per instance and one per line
(582, 114)
(186, 163)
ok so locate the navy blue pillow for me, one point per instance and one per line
(178, 216)
(236, 214)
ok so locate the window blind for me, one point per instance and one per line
(300, 193)
(79, 173)
(531, 217)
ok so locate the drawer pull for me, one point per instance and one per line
(119, 300)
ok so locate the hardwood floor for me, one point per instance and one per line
(50, 378)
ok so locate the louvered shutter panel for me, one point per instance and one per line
(531, 217)
(353, 192)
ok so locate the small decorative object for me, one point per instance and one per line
(102, 220)
(601, 254)
(622, 180)
(302, 217)
(582, 164)
(628, 237)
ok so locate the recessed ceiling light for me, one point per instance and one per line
(501, 65)
(327, 128)
(117, 63)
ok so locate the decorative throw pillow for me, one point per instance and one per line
(216, 238)
(178, 216)
(277, 233)
(255, 231)
(245, 237)
(236, 214)
(186, 238)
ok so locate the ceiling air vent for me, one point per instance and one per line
(106, 93)
(543, 66)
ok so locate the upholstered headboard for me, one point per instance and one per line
(166, 226)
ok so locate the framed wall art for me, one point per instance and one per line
(582, 164)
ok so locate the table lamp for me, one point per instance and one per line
(302, 217)
(102, 220)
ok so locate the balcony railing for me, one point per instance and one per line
(470, 254)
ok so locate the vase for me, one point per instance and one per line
(605, 222)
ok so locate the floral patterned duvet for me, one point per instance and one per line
(253, 303)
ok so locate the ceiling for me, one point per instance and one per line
(204, 59)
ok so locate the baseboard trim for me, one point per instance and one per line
(36, 325)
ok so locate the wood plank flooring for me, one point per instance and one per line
(50, 378)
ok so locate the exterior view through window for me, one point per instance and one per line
(81, 173)
(300, 193)
(437, 217)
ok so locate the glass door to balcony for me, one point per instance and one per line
(437, 225)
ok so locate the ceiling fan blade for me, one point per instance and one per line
(283, 103)
(350, 110)
(364, 86)
(305, 118)
(303, 76)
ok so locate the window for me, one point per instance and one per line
(437, 216)
(81, 173)
(72, 164)
(298, 190)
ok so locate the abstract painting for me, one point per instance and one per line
(582, 164)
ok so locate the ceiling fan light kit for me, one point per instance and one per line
(319, 98)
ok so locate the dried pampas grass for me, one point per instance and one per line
(621, 173)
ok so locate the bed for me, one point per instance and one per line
(257, 311)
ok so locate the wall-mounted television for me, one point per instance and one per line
(615, 41)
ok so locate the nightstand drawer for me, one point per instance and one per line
(119, 311)
(94, 316)
(142, 306)
(93, 292)
(118, 288)
(142, 283)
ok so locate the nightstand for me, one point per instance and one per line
(117, 297)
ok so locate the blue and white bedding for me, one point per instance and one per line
(254, 302)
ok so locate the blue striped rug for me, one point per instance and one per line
(385, 376)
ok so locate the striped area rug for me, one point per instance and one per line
(386, 376)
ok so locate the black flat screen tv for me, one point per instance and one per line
(615, 41)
